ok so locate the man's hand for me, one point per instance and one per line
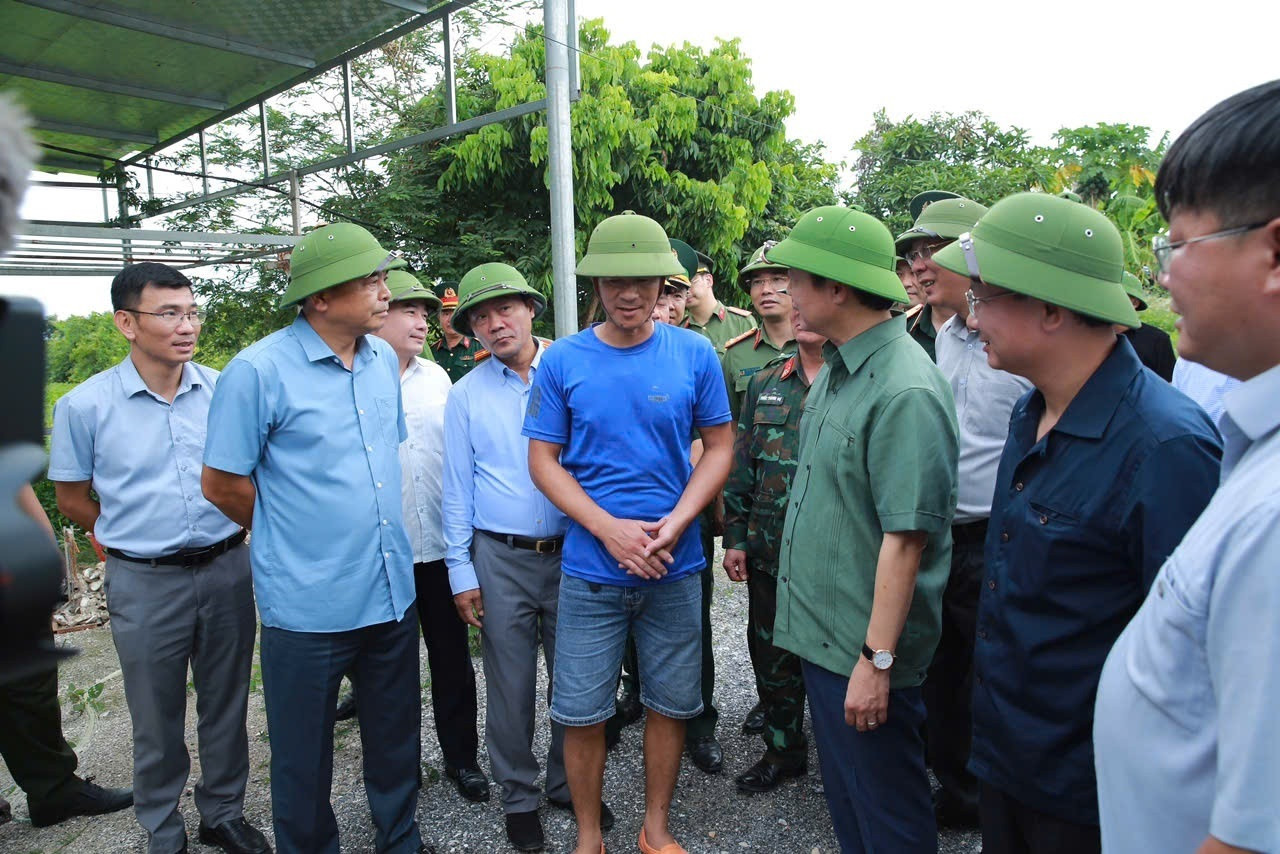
(866, 703)
(470, 607)
(735, 564)
(629, 541)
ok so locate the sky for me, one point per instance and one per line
(1037, 66)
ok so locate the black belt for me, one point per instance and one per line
(186, 558)
(548, 546)
(969, 532)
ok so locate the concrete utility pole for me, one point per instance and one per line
(556, 26)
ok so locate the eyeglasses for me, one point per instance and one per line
(1164, 250)
(173, 317)
(974, 300)
(924, 253)
(777, 282)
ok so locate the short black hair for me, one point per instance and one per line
(1228, 162)
(126, 287)
(865, 299)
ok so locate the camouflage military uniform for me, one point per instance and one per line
(725, 323)
(457, 361)
(743, 357)
(755, 498)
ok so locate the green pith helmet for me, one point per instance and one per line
(331, 255)
(447, 292)
(1133, 287)
(945, 219)
(757, 261)
(404, 286)
(490, 281)
(1050, 248)
(920, 201)
(631, 246)
(1070, 196)
(687, 256)
(848, 246)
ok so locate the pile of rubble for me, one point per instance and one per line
(85, 605)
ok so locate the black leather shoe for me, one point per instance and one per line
(524, 831)
(236, 836)
(707, 754)
(471, 783)
(754, 722)
(765, 776)
(606, 814)
(628, 707)
(346, 708)
(86, 799)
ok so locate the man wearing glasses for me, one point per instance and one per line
(179, 589)
(1105, 468)
(984, 397)
(304, 432)
(917, 244)
(766, 283)
(1188, 759)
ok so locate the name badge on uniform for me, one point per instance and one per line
(770, 398)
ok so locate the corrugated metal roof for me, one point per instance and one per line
(119, 77)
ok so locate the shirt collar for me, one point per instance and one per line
(317, 350)
(1089, 413)
(956, 326)
(503, 370)
(859, 348)
(1252, 404)
(132, 383)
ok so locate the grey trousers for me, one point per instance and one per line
(163, 619)
(521, 593)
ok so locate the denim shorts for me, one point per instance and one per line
(591, 632)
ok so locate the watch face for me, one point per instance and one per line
(882, 659)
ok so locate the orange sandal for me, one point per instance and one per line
(669, 848)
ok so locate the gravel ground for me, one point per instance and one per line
(709, 815)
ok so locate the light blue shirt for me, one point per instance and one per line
(1204, 385)
(984, 401)
(486, 466)
(329, 548)
(143, 455)
(1185, 734)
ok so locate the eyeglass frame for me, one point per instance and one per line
(1163, 250)
(195, 316)
(974, 300)
(924, 253)
(975, 275)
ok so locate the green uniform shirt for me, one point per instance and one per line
(878, 453)
(920, 327)
(765, 452)
(457, 361)
(743, 357)
(725, 323)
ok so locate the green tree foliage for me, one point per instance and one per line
(82, 345)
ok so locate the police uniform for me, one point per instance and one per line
(765, 454)
(725, 323)
(458, 360)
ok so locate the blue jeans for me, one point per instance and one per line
(876, 786)
(591, 632)
(301, 672)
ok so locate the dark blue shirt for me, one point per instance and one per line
(1081, 522)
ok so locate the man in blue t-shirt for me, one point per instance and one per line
(610, 421)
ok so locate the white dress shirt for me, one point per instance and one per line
(424, 388)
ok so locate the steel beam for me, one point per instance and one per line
(47, 229)
(154, 27)
(99, 84)
(266, 143)
(450, 93)
(363, 154)
(204, 165)
(389, 36)
(408, 6)
(99, 132)
(348, 125)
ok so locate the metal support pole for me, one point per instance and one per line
(560, 165)
(106, 206)
(266, 145)
(151, 187)
(293, 201)
(204, 165)
(450, 95)
(347, 124)
(575, 57)
(122, 197)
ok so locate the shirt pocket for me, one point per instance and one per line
(1165, 658)
(768, 422)
(388, 419)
